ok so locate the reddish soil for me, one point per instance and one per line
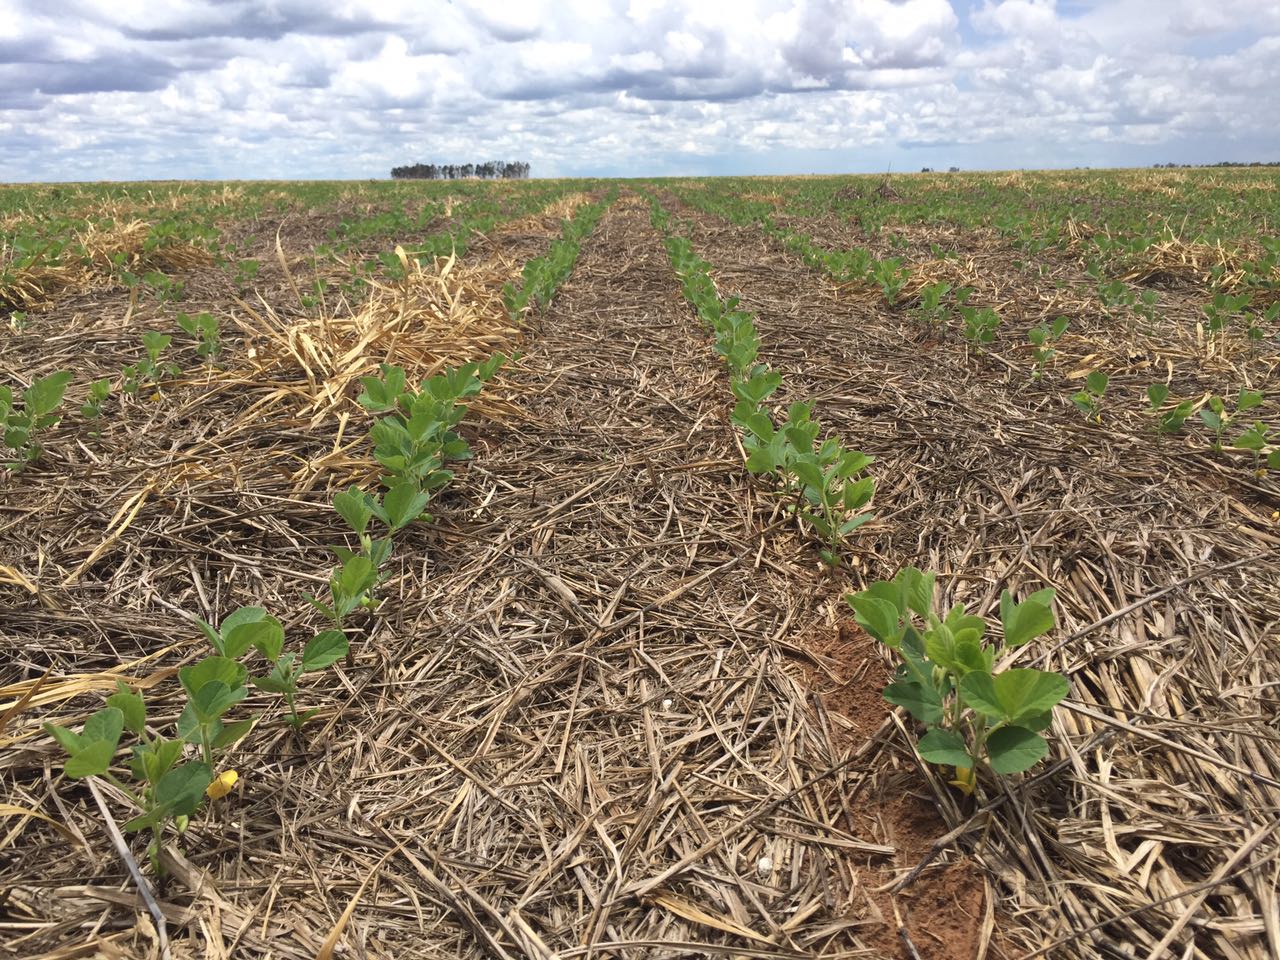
(942, 911)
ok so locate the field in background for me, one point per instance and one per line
(613, 703)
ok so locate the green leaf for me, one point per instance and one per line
(131, 708)
(1248, 400)
(212, 635)
(1025, 621)
(72, 743)
(233, 732)
(354, 507)
(403, 504)
(919, 700)
(1097, 383)
(1157, 393)
(181, 790)
(91, 761)
(809, 474)
(272, 684)
(324, 649)
(357, 576)
(146, 820)
(215, 698)
(106, 725)
(243, 615)
(917, 590)
(266, 636)
(878, 617)
(944, 748)
(1015, 749)
(158, 758)
(224, 670)
(45, 394)
(1013, 695)
(1255, 438)
(978, 690)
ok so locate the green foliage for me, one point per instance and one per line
(823, 481)
(947, 679)
(418, 436)
(38, 412)
(99, 392)
(164, 288)
(1042, 338)
(169, 788)
(890, 276)
(246, 272)
(1223, 308)
(543, 275)
(1089, 400)
(322, 650)
(1218, 418)
(1167, 421)
(150, 370)
(204, 327)
(980, 324)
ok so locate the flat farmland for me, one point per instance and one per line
(759, 567)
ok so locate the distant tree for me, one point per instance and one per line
(489, 170)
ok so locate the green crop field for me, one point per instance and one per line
(740, 567)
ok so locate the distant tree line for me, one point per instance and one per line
(1220, 163)
(493, 170)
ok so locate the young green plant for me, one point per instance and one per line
(39, 411)
(1089, 400)
(947, 679)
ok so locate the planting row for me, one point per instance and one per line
(1245, 285)
(938, 307)
(414, 440)
(946, 679)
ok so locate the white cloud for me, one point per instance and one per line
(126, 88)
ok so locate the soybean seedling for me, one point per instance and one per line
(980, 324)
(1089, 400)
(323, 650)
(169, 790)
(1042, 339)
(99, 391)
(38, 412)
(933, 310)
(947, 678)
(417, 437)
(1256, 439)
(1170, 421)
(1217, 418)
(890, 276)
(350, 587)
(204, 327)
(149, 371)
(1223, 308)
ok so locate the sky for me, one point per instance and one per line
(335, 89)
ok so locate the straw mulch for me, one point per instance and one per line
(570, 723)
(1153, 832)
